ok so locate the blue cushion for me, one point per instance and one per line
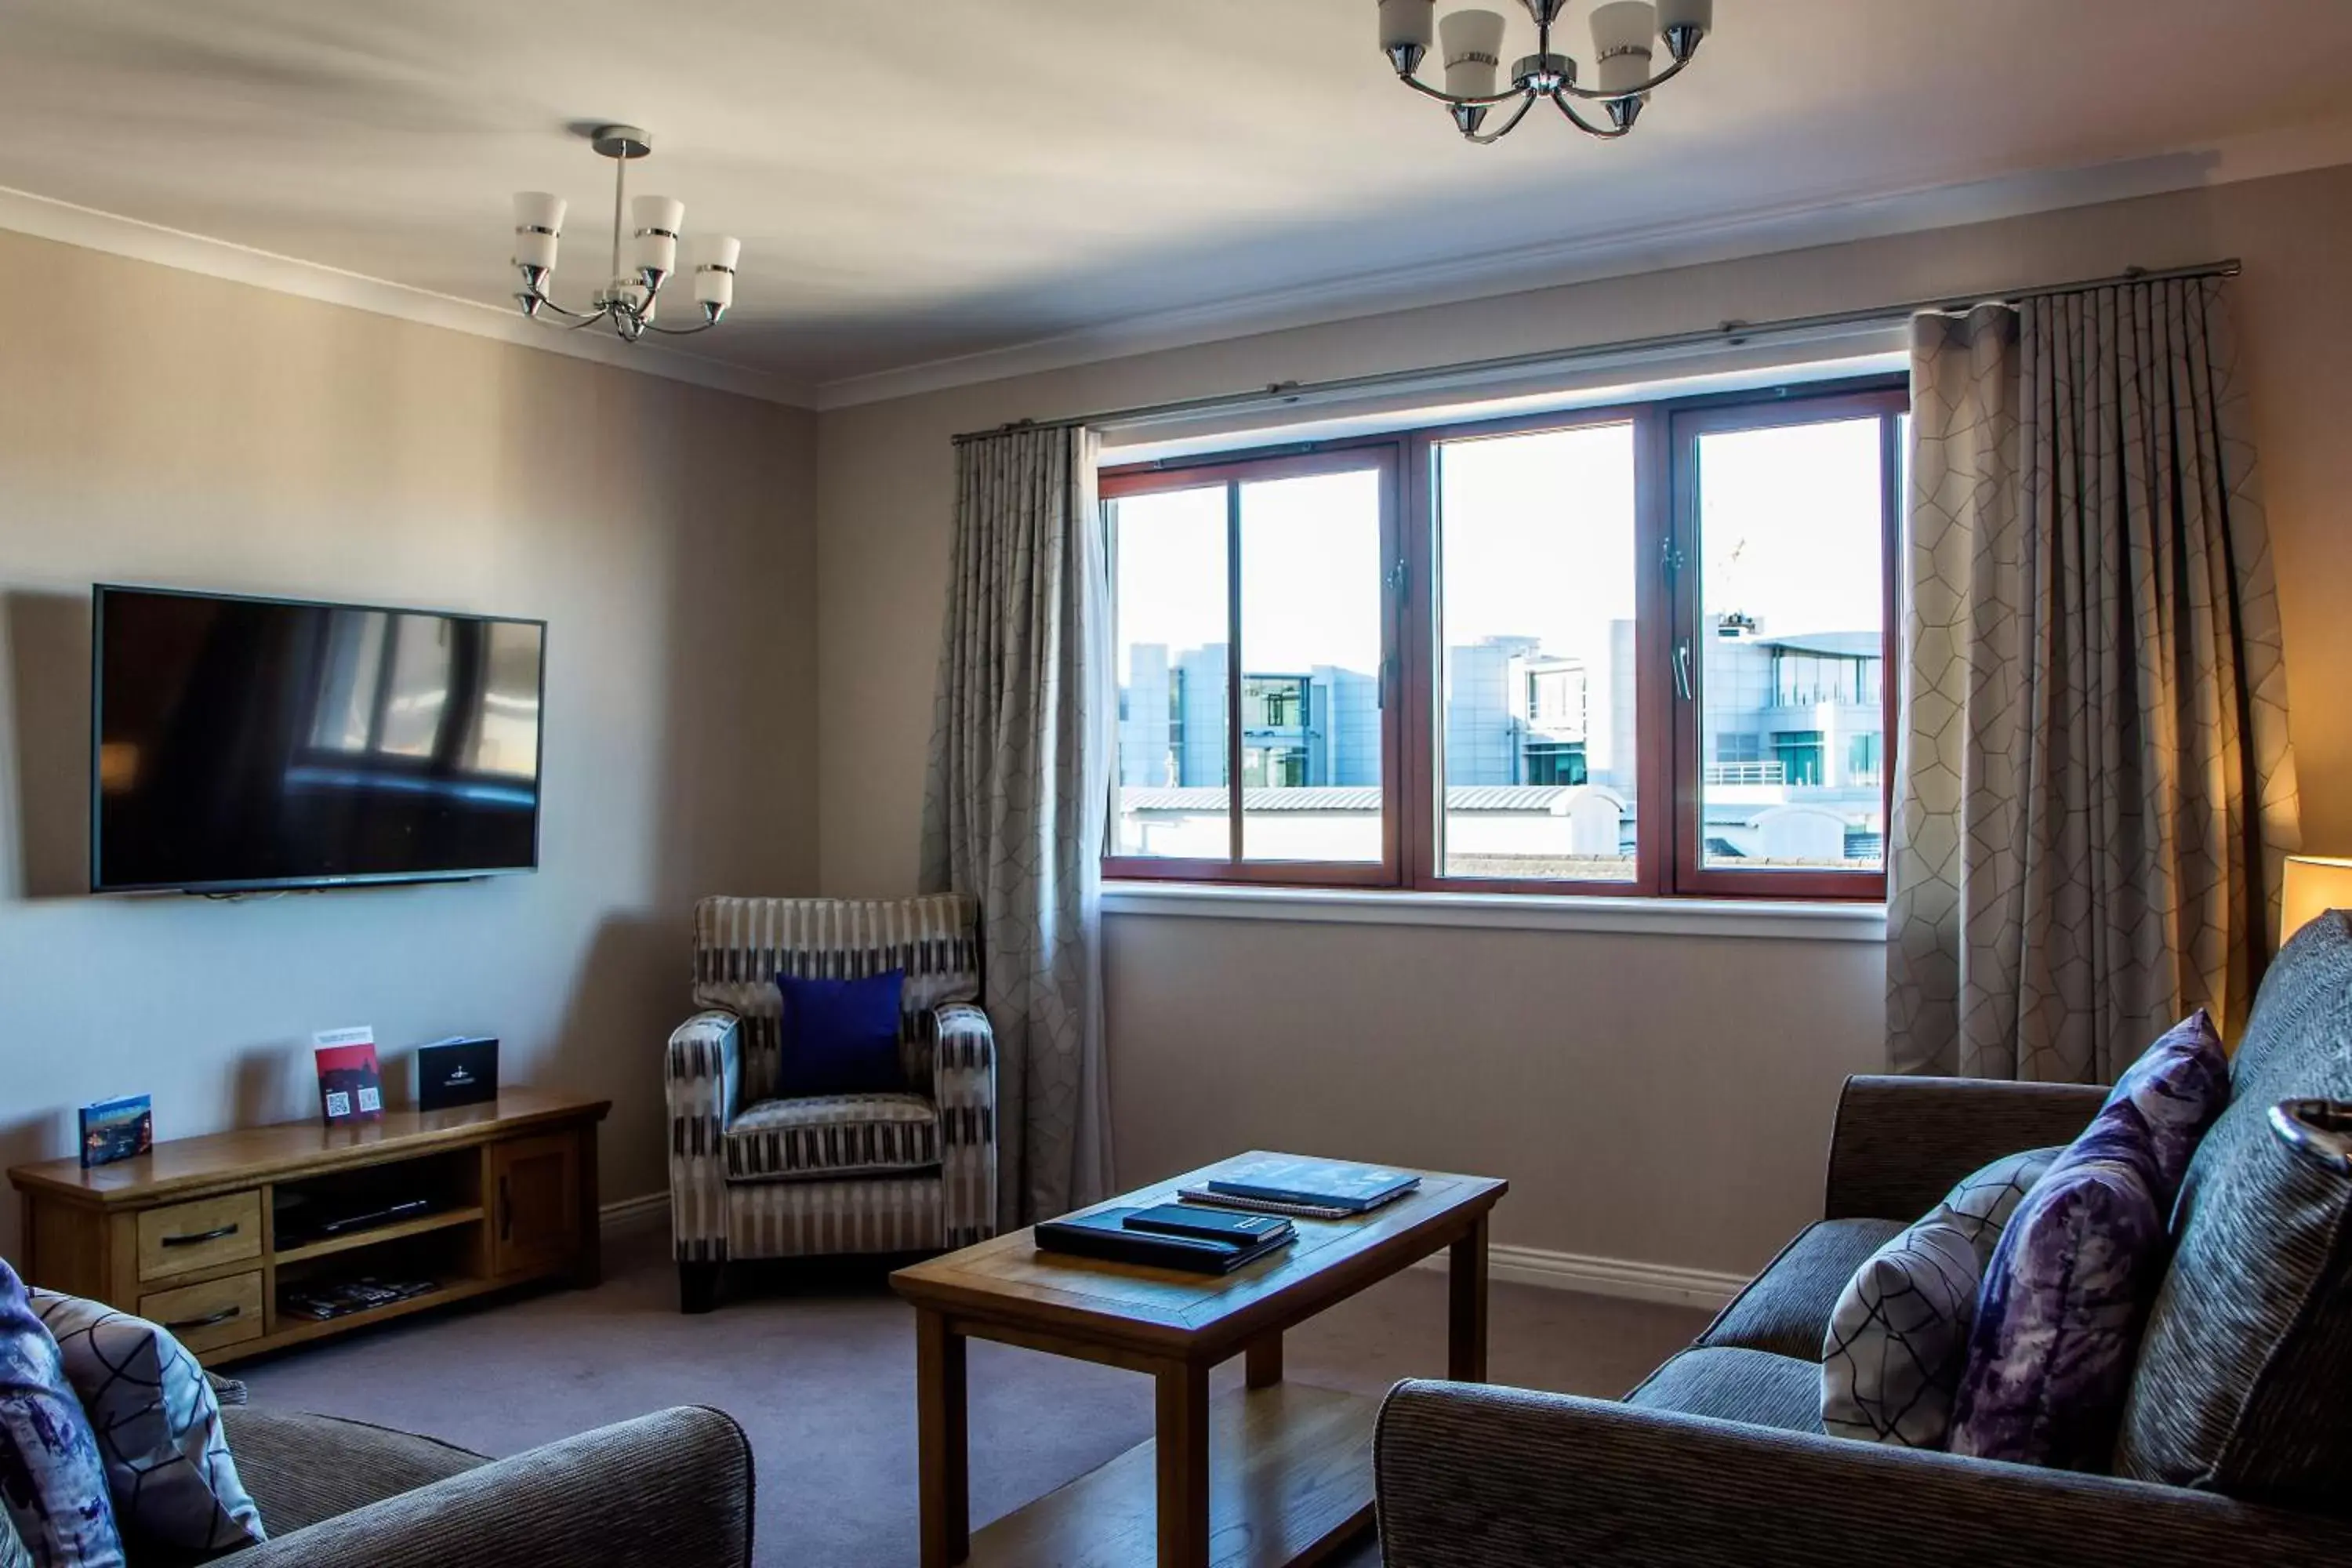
(841, 1037)
(2058, 1319)
(51, 1478)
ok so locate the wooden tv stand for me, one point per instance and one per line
(210, 1236)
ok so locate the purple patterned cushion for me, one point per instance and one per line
(2059, 1316)
(51, 1480)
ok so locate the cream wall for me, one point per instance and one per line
(159, 426)
(1663, 1099)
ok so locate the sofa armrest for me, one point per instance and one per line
(963, 1087)
(1900, 1144)
(1471, 1476)
(702, 1079)
(666, 1490)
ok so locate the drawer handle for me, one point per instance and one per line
(223, 1316)
(202, 1236)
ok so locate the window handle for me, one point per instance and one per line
(1681, 669)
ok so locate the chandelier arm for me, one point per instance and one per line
(547, 301)
(1426, 90)
(1526, 101)
(1598, 94)
(680, 332)
(1605, 133)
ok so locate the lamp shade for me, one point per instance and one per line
(1473, 47)
(657, 220)
(1694, 14)
(1622, 35)
(1408, 23)
(714, 271)
(2313, 886)
(537, 221)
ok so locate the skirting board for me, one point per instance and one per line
(629, 1213)
(1617, 1277)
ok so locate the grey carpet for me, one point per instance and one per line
(822, 1373)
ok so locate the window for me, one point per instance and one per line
(1635, 650)
(1256, 639)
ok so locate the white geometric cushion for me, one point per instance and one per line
(1898, 1340)
(158, 1427)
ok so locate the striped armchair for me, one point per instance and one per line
(752, 1175)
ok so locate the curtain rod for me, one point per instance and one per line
(1735, 334)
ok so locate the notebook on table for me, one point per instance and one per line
(1294, 1181)
(1103, 1234)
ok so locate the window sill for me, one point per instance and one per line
(1501, 911)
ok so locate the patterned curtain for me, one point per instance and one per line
(1018, 796)
(2096, 786)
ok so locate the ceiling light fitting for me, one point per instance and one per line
(1624, 35)
(651, 251)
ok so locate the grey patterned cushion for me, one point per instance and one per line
(51, 1480)
(1898, 1338)
(158, 1426)
(2248, 1352)
(12, 1545)
(1786, 1309)
(832, 1135)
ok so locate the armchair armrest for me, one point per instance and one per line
(963, 1087)
(702, 1079)
(668, 1490)
(1902, 1144)
(1471, 1476)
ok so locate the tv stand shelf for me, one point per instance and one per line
(187, 1234)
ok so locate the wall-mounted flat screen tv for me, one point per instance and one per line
(243, 744)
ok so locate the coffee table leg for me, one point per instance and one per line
(940, 1390)
(1184, 1454)
(1264, 1361)
(1466, 1317)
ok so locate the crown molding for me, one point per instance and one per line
(44, 217)
(1551, 264)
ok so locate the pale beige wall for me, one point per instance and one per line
(1661, 1098)
(158, 427)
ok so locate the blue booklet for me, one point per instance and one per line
(1321, 1183)
(115, 1129)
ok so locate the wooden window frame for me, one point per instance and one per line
(1382, 455)
(1668, 832)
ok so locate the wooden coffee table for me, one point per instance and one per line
(1293, 1479)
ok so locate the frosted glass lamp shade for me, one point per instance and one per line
(2313, 886)
(714, 271)
(1407, 24)
(539, 209)
(657, 220)
(1622, 32)
(538, 222)
(1696, 15)
(1473, 45)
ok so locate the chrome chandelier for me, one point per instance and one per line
(628, 302)
(1624, 32)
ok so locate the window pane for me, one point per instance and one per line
(1312, 654)
(1168, 552)
(1535, 620)
(1792, 619)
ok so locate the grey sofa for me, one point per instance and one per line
(666, 1490)
(1719, 1457)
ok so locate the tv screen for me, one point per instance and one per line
(244, 744)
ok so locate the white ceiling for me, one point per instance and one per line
(1006, 183)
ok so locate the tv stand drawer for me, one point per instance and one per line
(206, 1317)
(183, 1238)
